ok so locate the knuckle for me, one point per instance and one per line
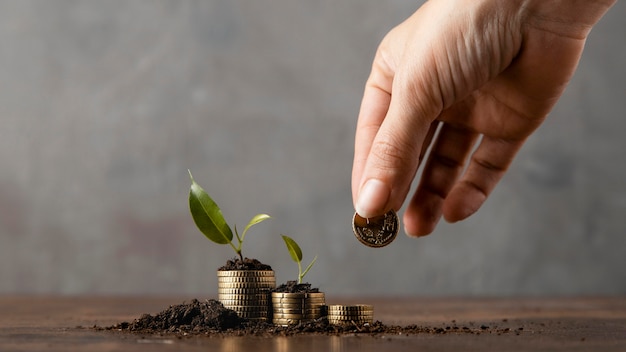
(490, 165)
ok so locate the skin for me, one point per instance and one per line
(485, 73)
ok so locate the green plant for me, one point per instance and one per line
(210, 221)
(296, 255)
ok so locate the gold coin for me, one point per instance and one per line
(358, 314)
(350, 321)
(241, 302)
(288, 316)
(246, 296)
(260, 308)
(297, 304)
(348, 312)
(228, 285)
(254, 317)
(266, 287)
(297, 295)
(246, 279)
(286, 322)
(247, 292)
(350, 308)
(378, 231)
(297, 307)
(242, 290)
(270, 284)
(243, 296)
(297, 311)
(354, 318)
(245, 273)
(350, 315)
(245, 302)
(350, 318)
(235, 285)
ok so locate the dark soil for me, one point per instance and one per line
(193, 316)
(211, 318)
(295, 287)
(246, 264)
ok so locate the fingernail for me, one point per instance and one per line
(373, 199)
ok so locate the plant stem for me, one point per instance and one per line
(237, 250)
(239, 239)
(299, 273)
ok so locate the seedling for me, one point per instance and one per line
(296, 255)
(210, 221)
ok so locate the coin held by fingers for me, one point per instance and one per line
(378, 231)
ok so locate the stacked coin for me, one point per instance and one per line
(246, 292)
(293, 308)
(356, 314)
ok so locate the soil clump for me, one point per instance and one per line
(295, 287)
(246, 264)
(192, 316)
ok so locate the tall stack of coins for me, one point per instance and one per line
(247, 292)
(294, 308)
(356, 314)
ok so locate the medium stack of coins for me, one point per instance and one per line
(357, 314)
(294, 308)
(247, 292)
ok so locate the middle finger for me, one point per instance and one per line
(445, 163)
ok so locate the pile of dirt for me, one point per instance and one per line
(193, 316)
(210, 318)
(246, 264)
(295, 287)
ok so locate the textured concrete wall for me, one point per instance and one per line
(104, 105)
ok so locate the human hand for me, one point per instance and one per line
(488, 72)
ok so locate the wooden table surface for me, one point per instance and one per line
(59, 323)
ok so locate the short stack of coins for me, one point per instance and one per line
(350, 314)
(294, 308)
(247, 292)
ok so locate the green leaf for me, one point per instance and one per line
(294, 249)
(207, 215)
(255, 220)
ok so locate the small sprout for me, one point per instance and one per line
(210, 221)
(296, 255)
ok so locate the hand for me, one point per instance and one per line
(487, 73)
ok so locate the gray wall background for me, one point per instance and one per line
(104, 105)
